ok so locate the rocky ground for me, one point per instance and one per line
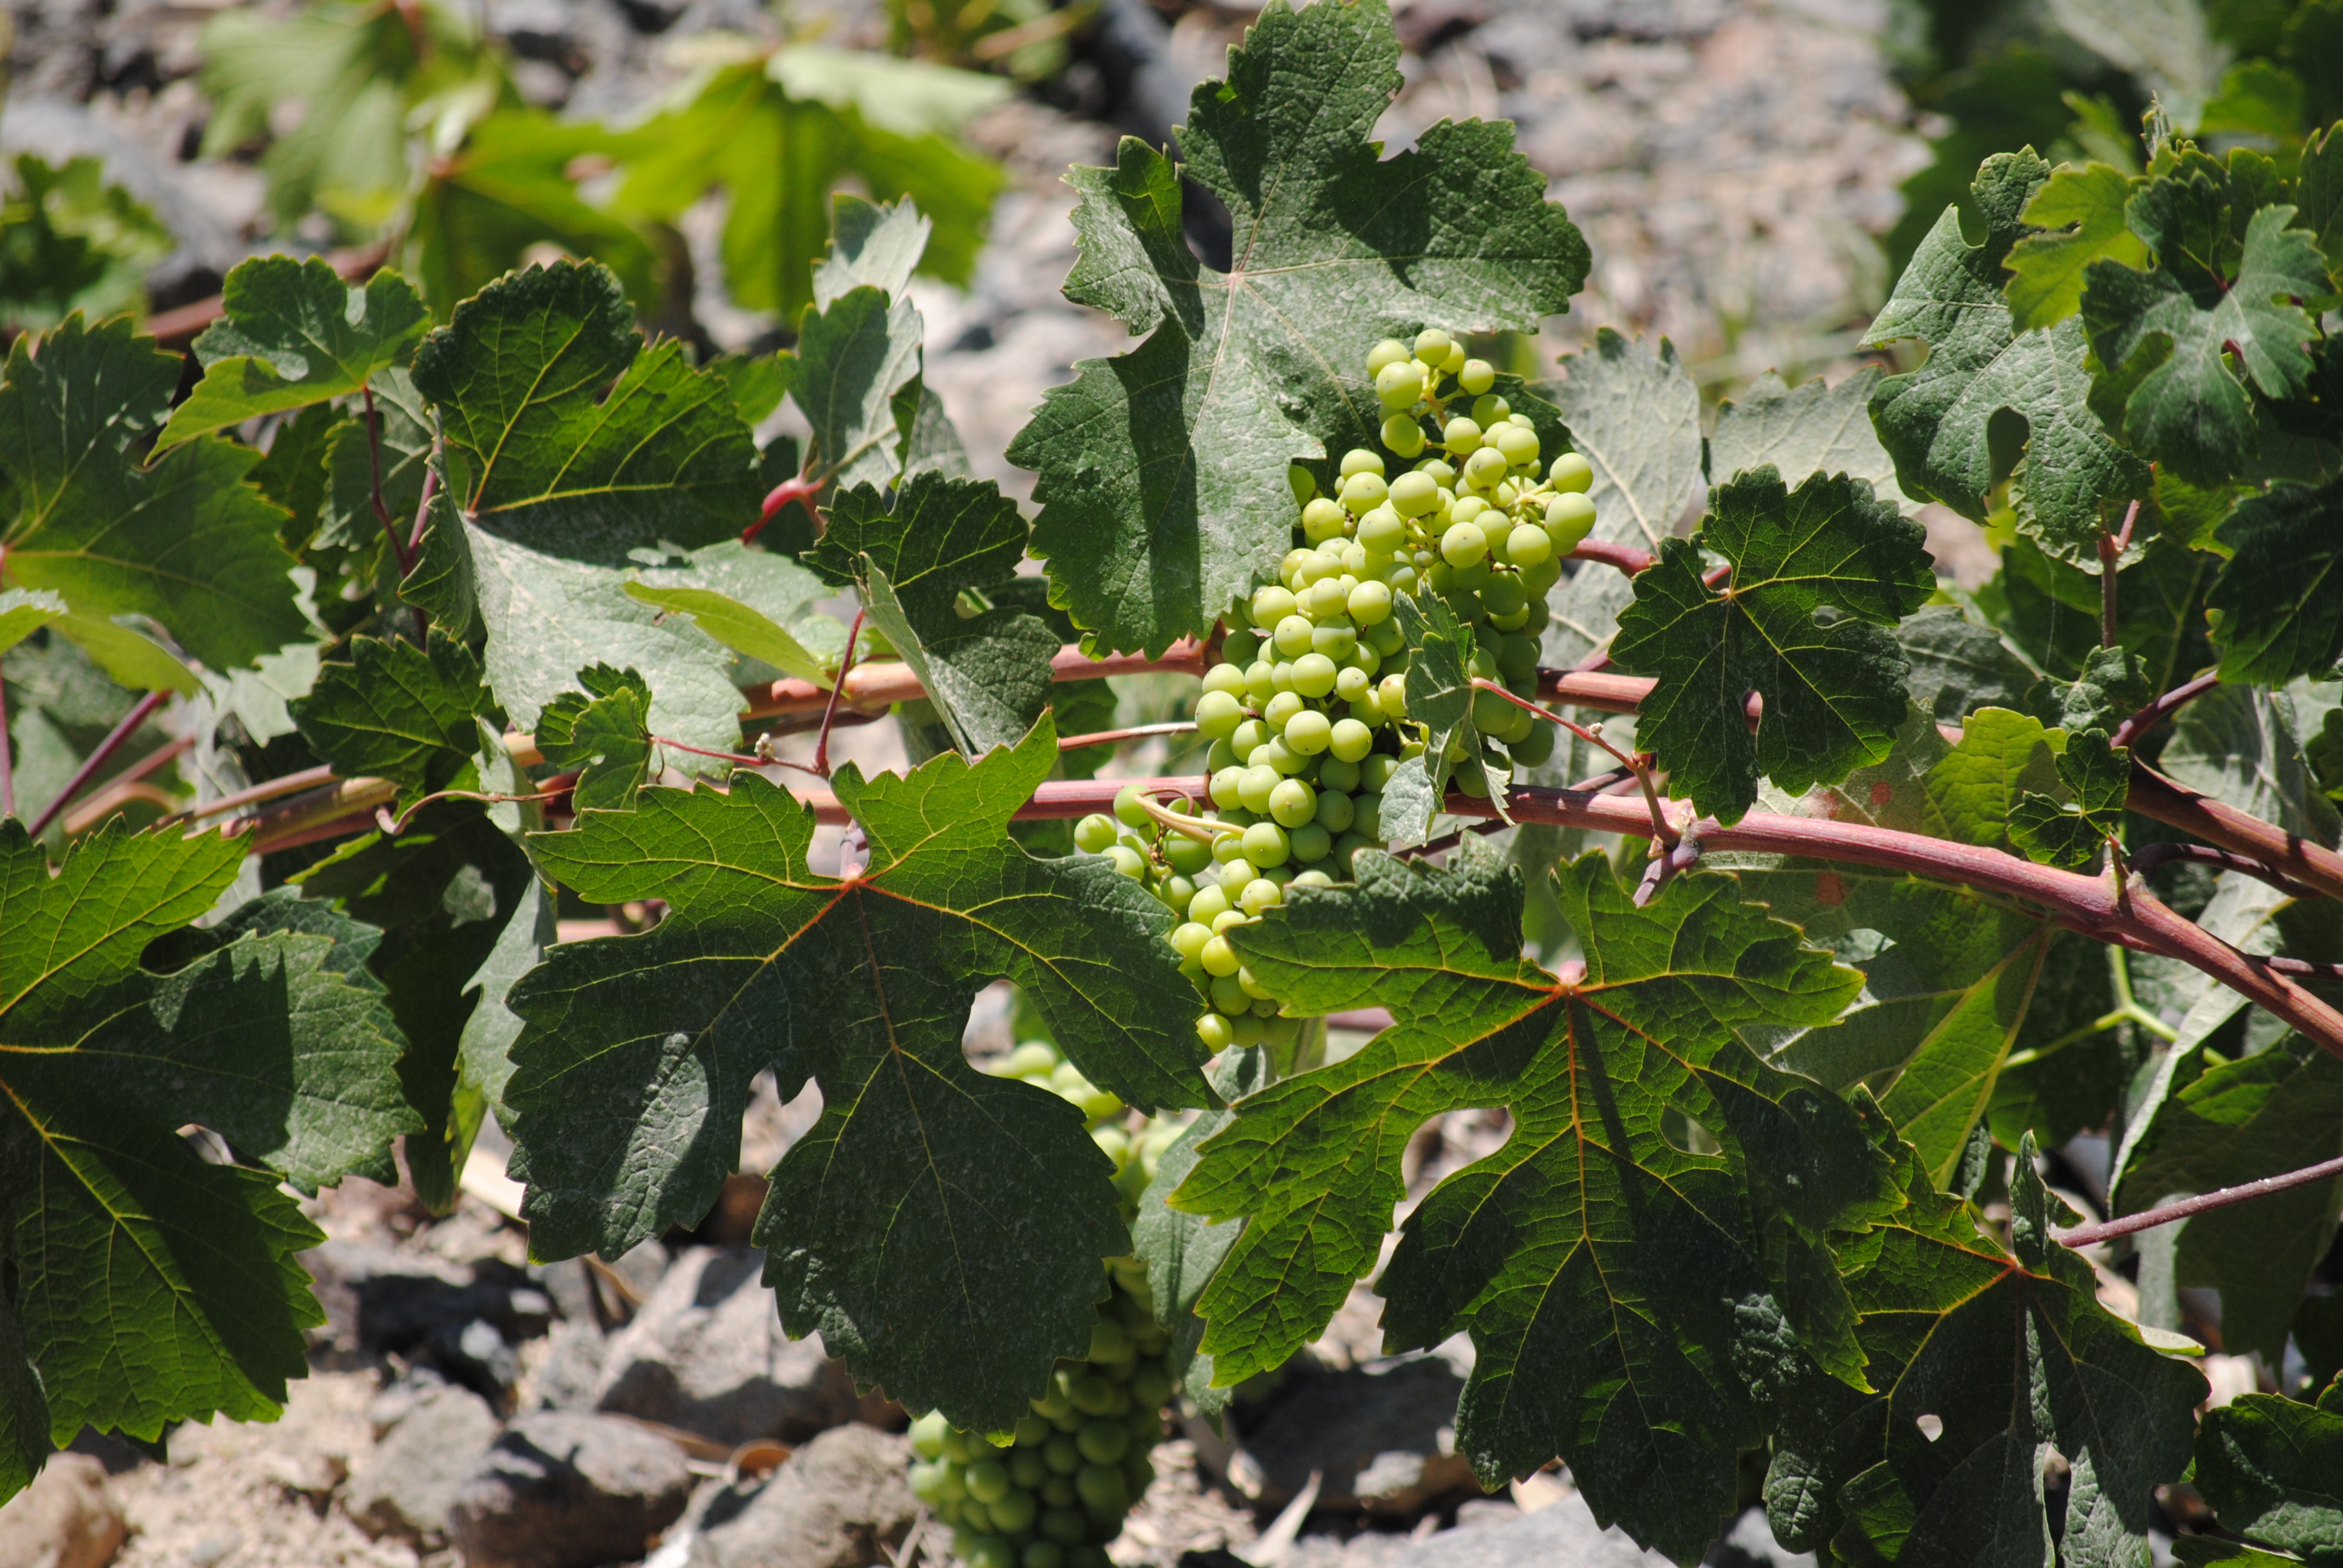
(1731, 164)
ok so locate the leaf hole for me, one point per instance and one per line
(1931, 1427)
(1687, 1136)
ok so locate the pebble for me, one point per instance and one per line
(567, 1489)
(68, 1518)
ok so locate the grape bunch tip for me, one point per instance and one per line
(1306, 732)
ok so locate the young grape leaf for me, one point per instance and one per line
(775, 588)
(295, 334)
(187, 541)
(1832, 693)
(1162, 473)
(1605, 1274)
(2162, 337)
(2073, 831)
(1813, 428)
(739, 626)
(150, 1285)
(586, 451)
(2280, 597)
(396, 711)
(462, 916)
(2112, 686)
(2237, 1121)
(989, 673)
(2081, 214)
(1440, 696)
(872, 246)
(604, 733)
(855, 357)
(1634, 413)
(2272, 1470)
(24, 611)
(1989, 393)
(1984, 1360)
(634, 1066)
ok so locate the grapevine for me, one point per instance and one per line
(431, 614)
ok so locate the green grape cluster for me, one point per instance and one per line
(1134, 1151)
(1057, 1489)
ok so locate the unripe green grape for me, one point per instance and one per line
(1225, 788)
(1218, 957)
(1391, 696)
(1271, 604)
(1303, 482)
(1382, 529)
(1471, 580)
(1102, 1487)
(1310, 843)
(1293, 803)
(1335, 812)
(1462, 544)
(1248, 1035)
(1431, 345)
(1398, 386)
(1308, 732)
(1477, 377)
(1265, 844)
(1340, 777)
(1363, 491)
(927, 1481)
(1334, 638)
(1570, 474)
(1362, 461)
(1352, 683)
(1322, 520)
(1152, 1386)
(1127, 860)
(1569, 517)
(1103, 1441)
(1390, 351)
(1404, 436)
(1208, 904)
(1542, 576)
(1032, 1057)
(990, 1552)
(1503, 595)
(1488, 411)
(1187, 856)
(1064, 1526)
(1175, 891)
(928, 1432)
(1529, 546)
(988, 1480)
(1293, 638)
(1375, 773)
(1216, 1032)
(1218, 714)
(1454, 360)
(1282, 759)
(1225, 676)
(1345, 848)
(1443, 473)
(1350, 740)
(1189, 939)
(1414, 494)
(1484, 467)
(1026, 1469)
(1279, 714)
(1471, 510)
(1128, 809)
(1228, 996)
(1369, 602)
(1404, 579)
(1324, 599)
(1517, 657)
(1461, 437)
(1261, 681)
(1042, 1555)
(1094, 834)
(1384, 637)
(1260, 894)
(1520, 445)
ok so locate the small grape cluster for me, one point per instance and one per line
(1060, 1491)
(1134, 1151)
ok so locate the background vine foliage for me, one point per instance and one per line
(1871, 890)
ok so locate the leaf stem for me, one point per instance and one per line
(1664, 832)
(1117, 737)
(381, 507)
(799, 489)
(741, 758)
(98, 758)
(2162, 708)
(2185, 1207)
(2111, 549)
(845, 668)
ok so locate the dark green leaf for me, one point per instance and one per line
(1833, 693)
(397, 712)
(293, 473)
(187, 541)
(151, 1285)
(2072, 831)
(853, 359)
(604, 733)
(2162, 336)
(635, 1064)
(1959, 665)
(2281, 597)
(1989, 394)
(391, 454)
(295, 334)
(1162, 473)
(2112, 686)
(2272, 1470)
(1605, 1274)
(69, 241)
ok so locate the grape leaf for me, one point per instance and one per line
(2082, 211)
(150, 1285)
(1439, 696)
(1162, 473)
(871, 246)
(587, 452)
(396, 711)
(1812, 428)
(2279, 597)
(1834, 694)
(854, 359)
(1959, 665)
(24, 611)
(2272, 1470)
(604, 733)
(1604, 1274)
(1989, 394)
(741, 627)
(1984, 1360)
(187, 541)
(2240, 745)
(74, 243)
(2112, 686)
(2163, 336)
(781, 129)
(462, 915)
(393, 453)
(2073, 831)
(1634, 413)
(1182, 1252)
(2237, 1121)
(295, 334)
(632, 1071)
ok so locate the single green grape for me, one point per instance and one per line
(1431, 345)
(1404, 436)
(1477, 377)
(1461, 437)
(1570, 473)
(1390, 351)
